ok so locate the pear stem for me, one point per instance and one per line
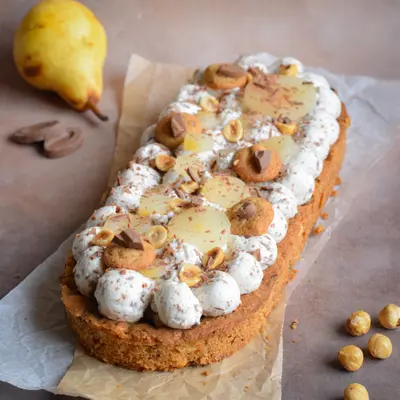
(91, 106)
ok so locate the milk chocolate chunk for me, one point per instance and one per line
(247, 211)
(34, 133)
(178, 126)
(262, 159)
(63, 142)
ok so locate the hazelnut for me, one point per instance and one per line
(351, 357)
(164, 162)
(189, 187)
(233, 131)
(289, 70)
(358, 323)
(190, 274)
(389, 317)
(209, 103)
(286, 128)
(103, 238)
(157, 236)
(380, 346)
(355, 391)
(213, 258)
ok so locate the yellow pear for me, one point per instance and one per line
(61, 46)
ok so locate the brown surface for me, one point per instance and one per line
(141, 346)
(41, 205)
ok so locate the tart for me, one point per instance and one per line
(198, 237)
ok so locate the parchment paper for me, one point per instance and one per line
(36, 347)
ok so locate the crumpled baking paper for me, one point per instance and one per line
(36, 346)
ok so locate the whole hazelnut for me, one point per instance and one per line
(380, 346)
(389, 317)
(351, 357)
(355, 391)
(358, 323)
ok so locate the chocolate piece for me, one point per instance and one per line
(132, 239)
(180, 193)
(194, 174)
(178, 125)
(247, 210)
(262, 159)
(210, 262)
(231, 71)
(34, 133)
(63, 142)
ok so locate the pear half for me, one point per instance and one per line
(61, 46)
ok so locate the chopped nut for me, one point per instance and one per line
(190, 274)
(286, 128)
(289, 70)
(205, 373)
(334, 193)
(194, 174)
(164, 162)
(338, 181)
(318, 229)
(103, 238)
(294, 324)
(157, 236)
(209, 103)
(233, 131)
(189, 187)
(213, 258)
(324, 216)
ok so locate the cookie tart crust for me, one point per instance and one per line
(148, 345)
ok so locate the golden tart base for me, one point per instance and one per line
(144, 347)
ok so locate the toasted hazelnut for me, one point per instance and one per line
(355, 391)
(190, 274)
(209, 103)
(157, 235)
(103, 238)
(380, 346)
(213, 258)
(176, 205)
(164, 162)
(189, 187)
(289, 70)
(233, 131)
(351, 357)
(358, 323)
(389, 317)
(286, 128)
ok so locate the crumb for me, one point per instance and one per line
(204, 383)
(324, 216)
(246, 387)
(334, 193)
(338, 181)
(292, 274)
(318, 229)
(267, 338)
(294, 341)
(294, 324)
(17, 276)
(249, 379)
(205, 373)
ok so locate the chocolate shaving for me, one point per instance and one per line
(197, 201)
(247, 210)
(231, 71)
(194, 174)
(34, 133)
(178, 126)
(180, 193)
(262, 159)
(129, 239)
(256, 254)
(62, 143)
